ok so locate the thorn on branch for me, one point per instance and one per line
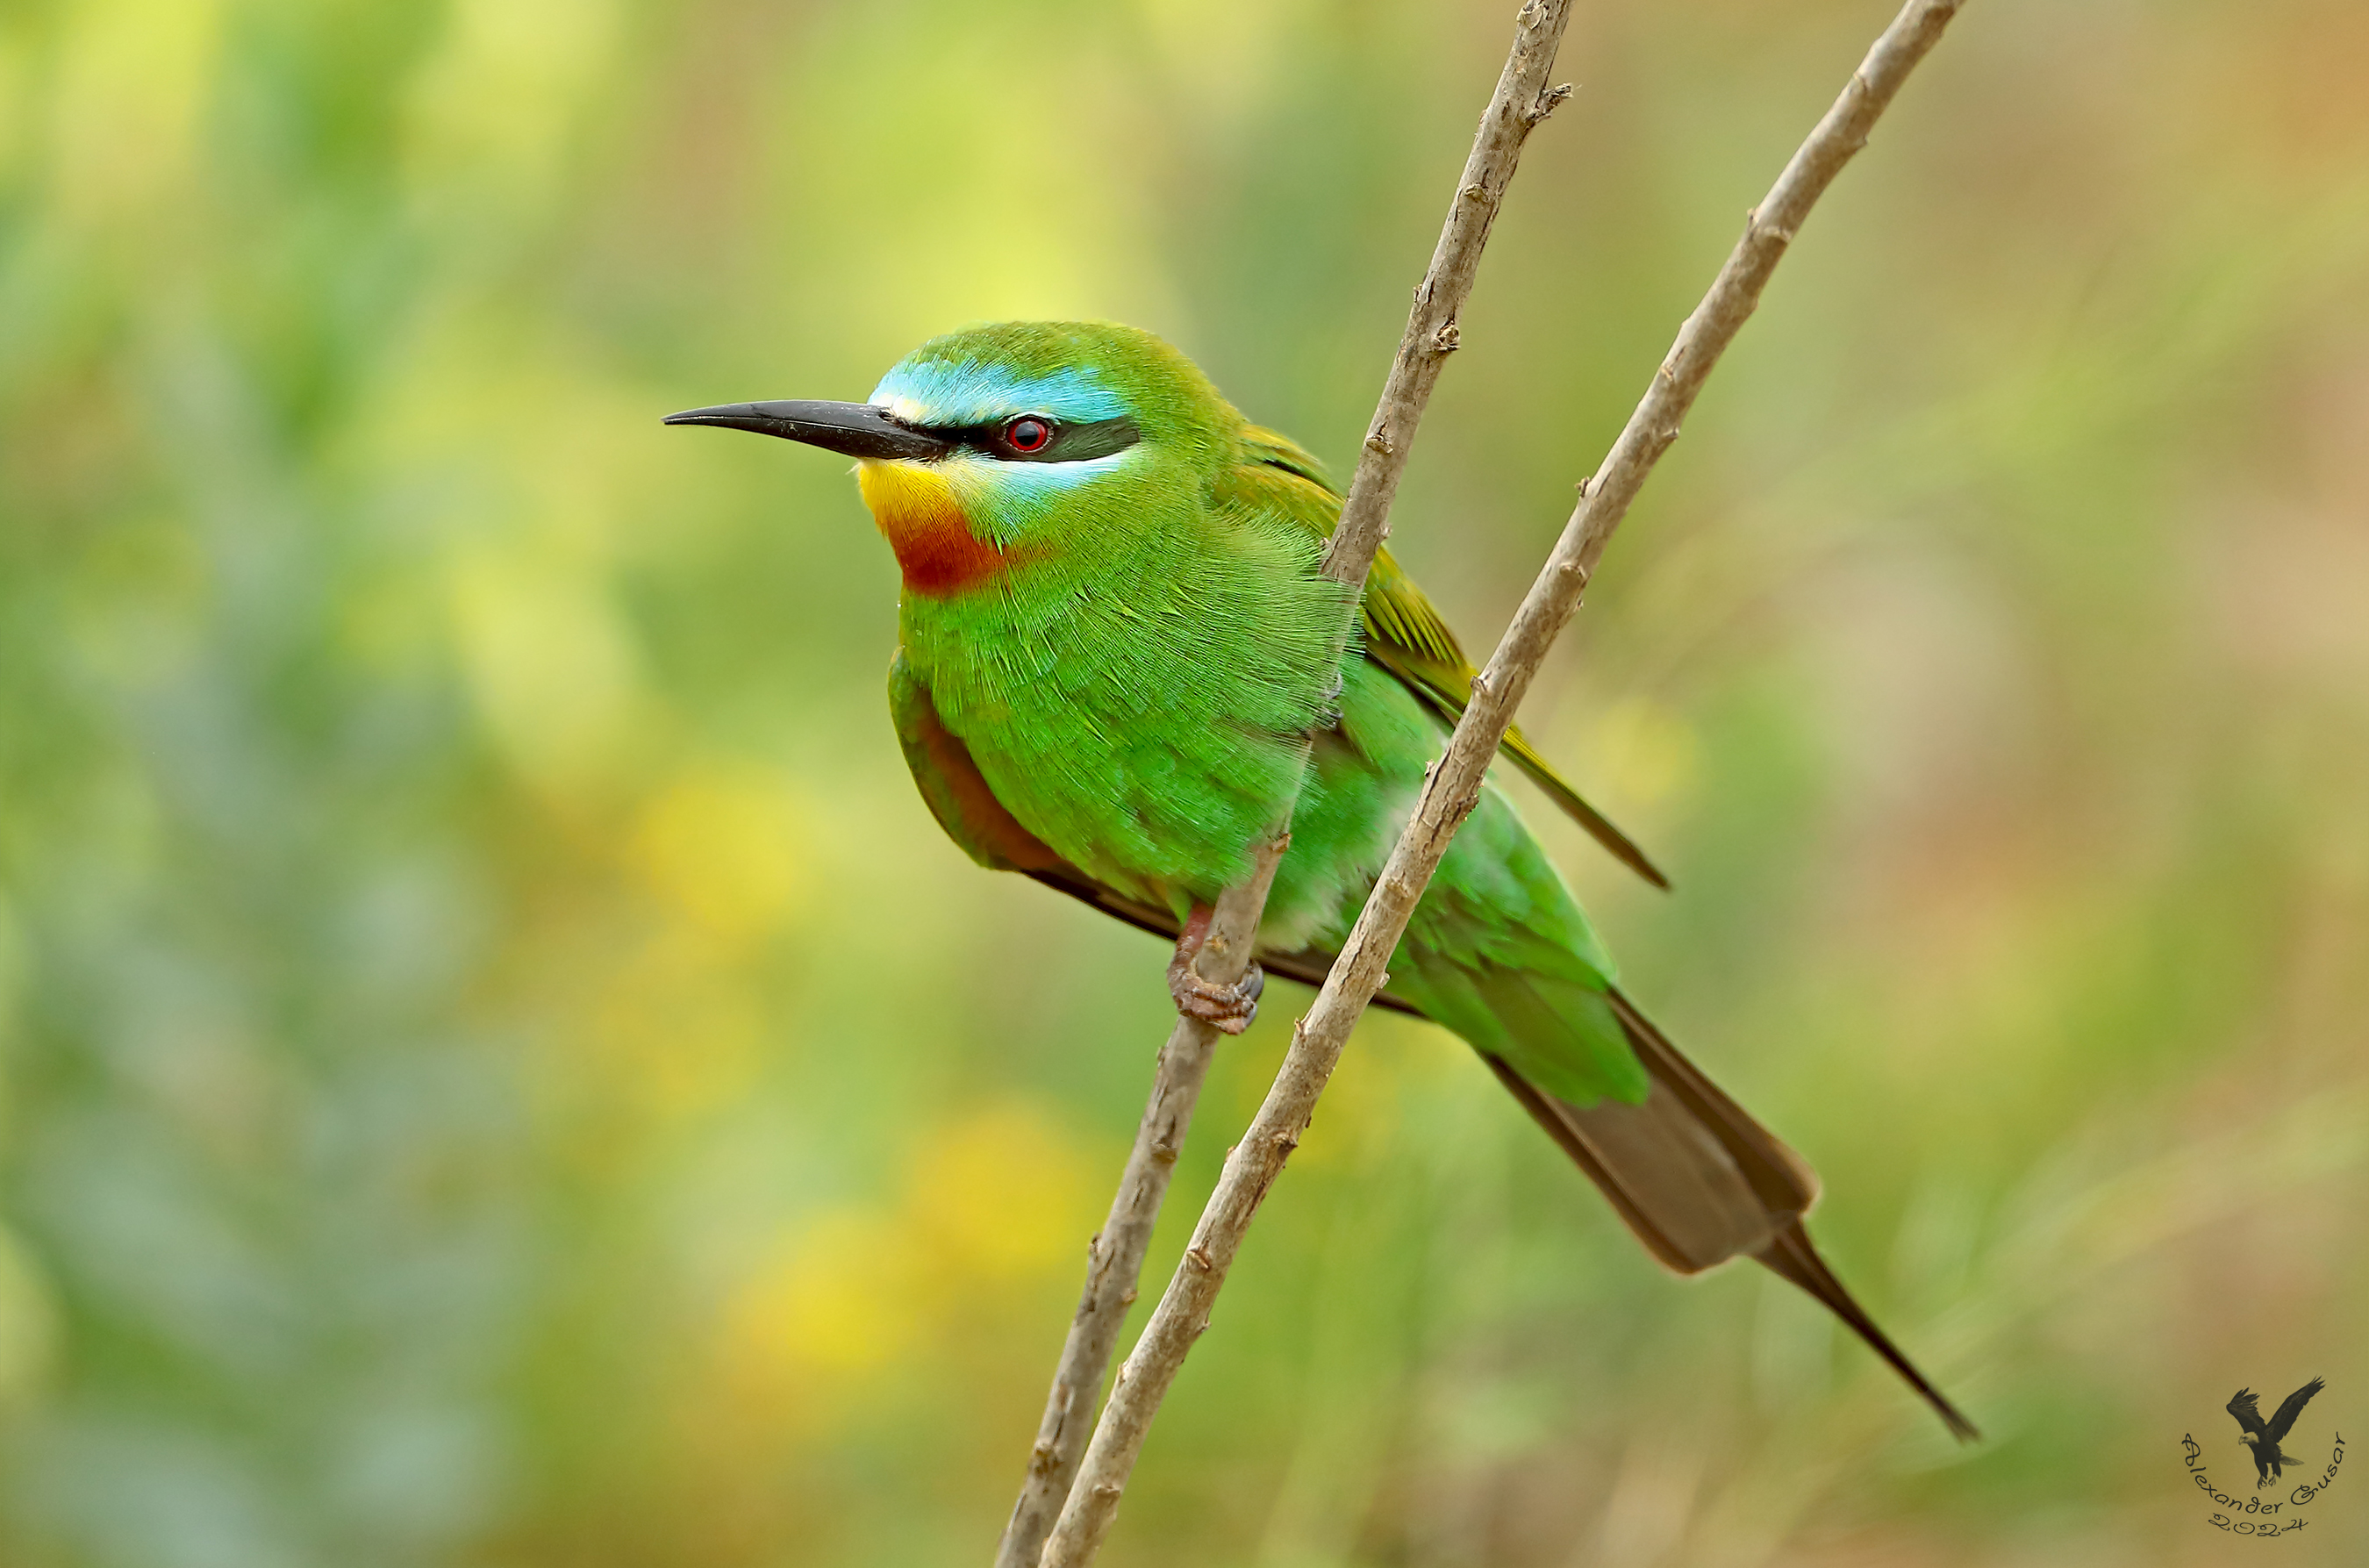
(1200, 1258)
(1549, 101)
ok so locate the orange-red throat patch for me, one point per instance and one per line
(923, 522)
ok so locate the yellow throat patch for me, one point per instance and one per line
(925, 523)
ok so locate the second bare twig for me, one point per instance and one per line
(1455, 783)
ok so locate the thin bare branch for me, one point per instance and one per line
(1454, 785)
(1115, 1258)
(1521, 101)
(1114, 1262)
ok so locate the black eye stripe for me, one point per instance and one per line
(1071, 442)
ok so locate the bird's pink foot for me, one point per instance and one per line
(1230, 1007)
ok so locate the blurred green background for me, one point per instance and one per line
(500, 1068)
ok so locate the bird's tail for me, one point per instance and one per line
(1700, 1182)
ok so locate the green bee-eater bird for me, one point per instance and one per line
(1113, 643)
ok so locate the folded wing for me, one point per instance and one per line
(1405, 633)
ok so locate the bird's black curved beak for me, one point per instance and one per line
(858, 429)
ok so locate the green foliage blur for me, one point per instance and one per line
(500, 1068)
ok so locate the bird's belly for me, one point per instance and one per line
(1152, 750)
(1169, 807)
(1164, 806)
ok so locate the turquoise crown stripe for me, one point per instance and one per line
(941, 392)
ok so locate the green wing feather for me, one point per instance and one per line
(1405, 633)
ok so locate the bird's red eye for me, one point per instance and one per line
(1028, 433)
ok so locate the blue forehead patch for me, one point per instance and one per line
(942, 392)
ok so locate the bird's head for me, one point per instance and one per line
(1013, 442)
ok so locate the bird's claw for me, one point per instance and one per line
(1230, 1007)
